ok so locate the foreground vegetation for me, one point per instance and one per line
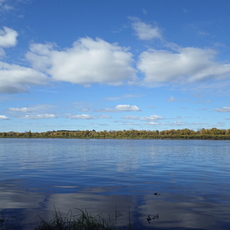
(208, 134)
(82, 220)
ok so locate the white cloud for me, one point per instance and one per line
(4, 6)
(107, 110)
(185, 65)
(88, 61)
(22, 109)
(8, 37)
(16, 79)
(130, 117)
(81, 116)
(91, 61)
(112, 98)
(40, 56)
(3, 117)
(171, 99)
(35, 112)
(84, 109)
(204, 101)
(152, 118)
(121, 108)
(130, 123)
(105, 116)
(152, 123)
(9, 5)
(178, 123)
(127, 108)
(223, 110)
(39, 116)
(145, 31)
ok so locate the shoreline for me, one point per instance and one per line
(179, 134)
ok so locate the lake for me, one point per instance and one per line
(184, 184)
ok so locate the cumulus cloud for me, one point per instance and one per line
(17, 79)
(130, 123)
(171, 99)
(40, 56)
(91, 61)
(4, 6)
(145, 31)
(223, 110)
(35, 112)
(127, 108)
(176, 64)
(88, 61)
(152, 118)
(105, 117)
(121, 108)
(130, 117)
(80, 116)
(204, 101)
(152, 123)
(3, 117)
(8, 37)
(39, 116)
(107, 110)
(22, 109)
(178, 123)
(184, 65)
(112, 98)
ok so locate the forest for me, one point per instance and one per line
(204, 134)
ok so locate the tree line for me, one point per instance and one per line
(208, 134)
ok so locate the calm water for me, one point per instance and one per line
(185, 182)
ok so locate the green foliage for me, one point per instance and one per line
(206, 134)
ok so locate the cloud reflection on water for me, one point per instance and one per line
(174, 211)
(103, 176)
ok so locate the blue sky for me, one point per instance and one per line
(114, 64)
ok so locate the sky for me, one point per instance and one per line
(114, 65)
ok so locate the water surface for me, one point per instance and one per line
(184, 182)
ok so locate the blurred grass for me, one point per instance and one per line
(82, 220)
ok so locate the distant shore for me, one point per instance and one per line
(202, 134)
